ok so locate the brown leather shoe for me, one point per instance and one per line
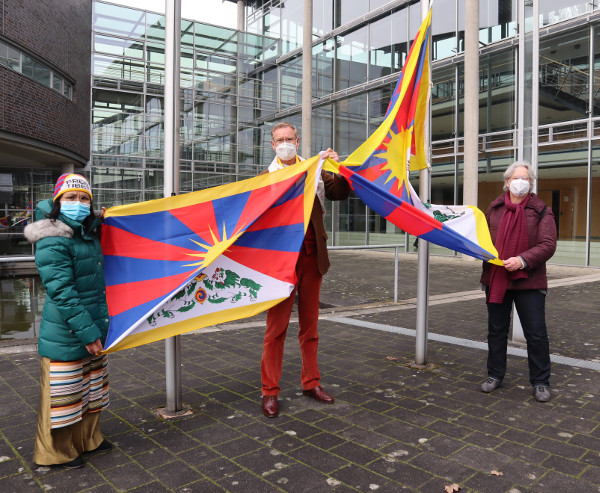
(269, 406)
(319, 394)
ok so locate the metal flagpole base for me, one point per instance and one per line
(166, 414)
(416, 366)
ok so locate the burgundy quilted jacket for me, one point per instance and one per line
(541, 232)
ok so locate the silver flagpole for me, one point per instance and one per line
(171, 179)
(307, 79)
(423, 251)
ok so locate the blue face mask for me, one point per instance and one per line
(75, 210)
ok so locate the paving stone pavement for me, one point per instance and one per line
(394, 426)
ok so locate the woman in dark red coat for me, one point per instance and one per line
(524, 233)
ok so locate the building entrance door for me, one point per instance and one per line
(561, 201)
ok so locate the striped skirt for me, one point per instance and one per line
(77, 388)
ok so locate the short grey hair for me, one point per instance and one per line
(519, 164)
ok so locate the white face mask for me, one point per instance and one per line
(285, 151)
(519, 187)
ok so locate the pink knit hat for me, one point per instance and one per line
(71, 181)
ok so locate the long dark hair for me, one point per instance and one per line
(55, 212)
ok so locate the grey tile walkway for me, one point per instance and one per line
(393, 427)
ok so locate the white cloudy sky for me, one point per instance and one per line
(216, 12)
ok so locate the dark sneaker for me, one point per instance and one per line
(105, 446)
(74, 464)
(541, 393)
(490, 385)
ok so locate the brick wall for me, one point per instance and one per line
(57, 32)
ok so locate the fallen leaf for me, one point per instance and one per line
(451, 488)
(497, 473)
(391, 358)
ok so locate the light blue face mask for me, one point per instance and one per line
(75, 210)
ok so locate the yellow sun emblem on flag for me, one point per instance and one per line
(395, 156)
(215, 249)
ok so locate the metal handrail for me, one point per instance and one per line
(396, 247)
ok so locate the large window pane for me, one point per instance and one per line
(564, 77)
(118, 68)
(9, 57)
(291, 82)
(348, 10)
(323, 61)
(443, 30)
(400, 39)
(379, 100)
(322, 16)
(291, 25)
(41, 74)
(595, 206)
(272, 23)
(27, 67)
(497, 92)
(214, 39)
(443, 103)
(596, 74)
(56, 83)
(460, 86)
(187, 33)
(249, 148)
(352, 218)
(562, 184)
(322, 128)
(380, 47)
(553, 11)
(117, 46)
(352, 54)
(155, 30)
(117, 123)
(351, 127)
(218, 63)
(497, 19)
(20, 191)
(119, 20)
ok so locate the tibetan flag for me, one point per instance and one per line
(378, 170)
(462, 228)
(182, 263)
(399, 141)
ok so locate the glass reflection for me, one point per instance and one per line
(564, 77)
(351, 128)
(443, 107)
(323, 62)
(322, 16)
(322, 128)
(443, 31)
(21, 303)
(348, 10)
(497, 90)
(291, 25)
(595, 206)
(553, 11)
(352, 58)
(562, 184)
(119, 20)
(380, 48)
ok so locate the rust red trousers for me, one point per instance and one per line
(308, 287)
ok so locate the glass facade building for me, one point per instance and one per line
(235, 84)
(44, 108)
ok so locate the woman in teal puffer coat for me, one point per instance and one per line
(74, 376)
